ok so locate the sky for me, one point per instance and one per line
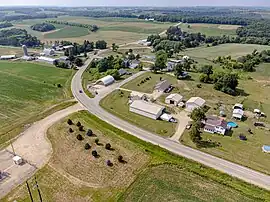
(178, 3)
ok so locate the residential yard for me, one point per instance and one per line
(27, 89)
(148, 86)
(117, 104)
(163, 176)
(234, 50)
(209, 29)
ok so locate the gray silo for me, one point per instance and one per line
(25, 52)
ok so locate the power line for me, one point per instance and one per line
(29, 191)
(40, 197)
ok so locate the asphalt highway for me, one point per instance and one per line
(92, 105)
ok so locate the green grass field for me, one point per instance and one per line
(117, 104)
(67, 32)
(148, 86)
(28, 89)
(164, 177)
(209, 29)
(234, 50)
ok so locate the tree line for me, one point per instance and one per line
(18, 37)
(43, 27)
(5, 25)
(91, 28)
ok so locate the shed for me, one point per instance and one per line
(162, 86)
(122, 72)
(238, 113)
(48, 52)
(238, 106)
(174, 99)
(46, 59)
(193, 103)
(166, 117)
(146, 109)
(7, 57)
(107, 80)
(17, 160)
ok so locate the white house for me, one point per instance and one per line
(193, 103)
(174, 99)
(214, 124)
(106, 81)
(238, 114)
(146, 109)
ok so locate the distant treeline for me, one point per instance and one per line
(17, 37)
(26, 17)
(5, 25)
(91, 28)
(100, 14)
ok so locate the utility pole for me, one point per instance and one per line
(29, 191)
(38, 190)
(11, 145)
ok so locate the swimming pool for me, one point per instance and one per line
(232, 124)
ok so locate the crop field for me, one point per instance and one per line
(28, 89)
(234, 50)
(8, 50)
(117, 104)
(150, 174)
(112, 30)
(209, 29)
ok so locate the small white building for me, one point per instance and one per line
(46, 59)
(48, 52)
(146, 109)
(7, 57)
(107, 80)
(194, 102)
(174, 99)
(238, 114)
(17, 160)
(214, 124)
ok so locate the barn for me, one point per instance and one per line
(107, 80)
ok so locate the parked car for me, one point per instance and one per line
(188, 126)
(80, 91)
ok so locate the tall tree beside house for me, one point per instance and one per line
(101, 44)
(195, 134)
(161, 60)
(178, 71)
(197, 114)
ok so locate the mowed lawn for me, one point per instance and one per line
(209, 29)
(29, 88)
(171, 183)
(67, 32)
(148, 86)
(117, 104)
(234, 50)
(150, 173)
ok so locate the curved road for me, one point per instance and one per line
(92, 105)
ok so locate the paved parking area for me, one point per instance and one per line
(12, 174)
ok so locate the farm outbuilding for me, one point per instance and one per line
(193, 103)
(174, 99)
(162, 86)
(107, 80)
(46, 59)
(48, 52)
(7, 57)
(147, 109)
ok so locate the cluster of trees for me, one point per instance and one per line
(255, 29)
(100, 14)
(91, 28)
(27, 16)
(110, 65)
(43, 27)
(223, 81)
(5, 25)
(17, 37)
(246, 63)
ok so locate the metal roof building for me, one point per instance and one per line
(162, 86)
(107, 80)
(7, 57)
(146, 109)
(193, 103)
(174, 99)
(46, 59)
